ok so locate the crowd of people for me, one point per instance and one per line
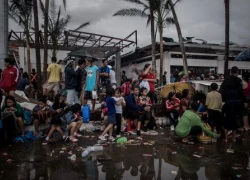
(225, 110)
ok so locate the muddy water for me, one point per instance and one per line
(167, 159)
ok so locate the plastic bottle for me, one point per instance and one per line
(91, 149)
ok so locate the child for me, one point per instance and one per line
(145, 101)
(231, 111)
(214, 105)
(41, 112)
(74, 122)
(125, 88)
(10, 105)
(111, 114)
(133, 108)
(118, 108)
(59, 104)
(172, 105)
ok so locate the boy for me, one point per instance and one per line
(214, 105)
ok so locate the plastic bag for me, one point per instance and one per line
(145, 84)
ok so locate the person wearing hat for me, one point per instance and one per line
(54, 74)
(172, 105)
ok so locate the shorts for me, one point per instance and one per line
(88, 95)
(111, 119)
(51, 86)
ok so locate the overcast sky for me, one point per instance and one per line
(198, 18)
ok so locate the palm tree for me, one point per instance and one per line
(57, 24)
(162, 21)
(227, 28)
(178, 28)
(37, 46)
(21, 12)
(46, 21)
(150, 8)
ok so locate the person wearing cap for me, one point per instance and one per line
(173, 105)
(54, 73)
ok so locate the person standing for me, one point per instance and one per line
(10, 77)
(104, 73)
(112, 77)
(124, 77)
(149, 76)
(33, 79)
(81, 78)
(71, 84)
(133, 72)
(91, 81)
(164, 78)
(54, 73)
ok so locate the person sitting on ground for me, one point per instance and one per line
(11, 106)
(173, 105)
(41, 113)
(232, 112)
(214, 105)
(24, 85)
(190, 125)
(74, 122)
(144, 101)
(59, 104)
(133, 108)
(184, 104)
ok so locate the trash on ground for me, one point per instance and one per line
(174, 152)
(9, 161)
(61, 152)
(173, 172)
(5, 154)
(72, 157)
(70, 153)
(237, 168)
(238, 175)
(122, 140)
(91, 149)
(230, 151)
(195, 155)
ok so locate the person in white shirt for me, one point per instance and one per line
(118, 108)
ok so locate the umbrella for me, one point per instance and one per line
(182, 73)
(80, 53)
(243, 56)
(177, 87)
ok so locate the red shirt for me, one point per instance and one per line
(10, 77)
(151, 84)
(170, 105)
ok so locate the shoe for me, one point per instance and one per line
(111, 138)
(102, 138)
(73, 139)
(45, 142)
(138, 132)
(106, 135)
(172, 128)
(78, 135)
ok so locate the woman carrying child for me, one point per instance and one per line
(144, 101)
(110, 101)
(11, 106)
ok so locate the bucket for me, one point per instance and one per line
(86, 113)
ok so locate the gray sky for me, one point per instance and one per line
(198, 18)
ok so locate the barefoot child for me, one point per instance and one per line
(111, 114)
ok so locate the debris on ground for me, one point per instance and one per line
(230, 151)
(9, 161)
(173, 172)
(195, 155)
(5, 154)
(147, 155)
(72, 157)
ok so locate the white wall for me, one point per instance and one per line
(23, 53)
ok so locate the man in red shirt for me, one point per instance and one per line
(10, 77)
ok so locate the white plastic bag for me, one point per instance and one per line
(94, 95)
(145, 84)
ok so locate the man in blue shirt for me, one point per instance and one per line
(91, 81)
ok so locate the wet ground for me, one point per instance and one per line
(167, 159)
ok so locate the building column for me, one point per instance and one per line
(3, 31)
(118, 67)
(167, 65)
(220, 64)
